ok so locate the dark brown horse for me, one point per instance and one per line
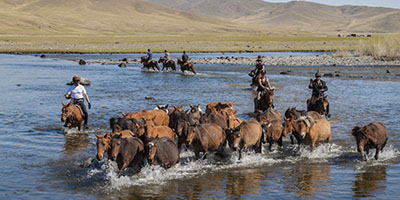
(186, 66)
(266, 101)
(319, 104)
(149, 64)
(168, 64)
(72, 115)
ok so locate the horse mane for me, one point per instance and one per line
(356, 130)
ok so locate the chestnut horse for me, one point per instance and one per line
(150, 64)
(166, 65)
(320, 105)
(186, 66)
(71, 115)
(266, 101)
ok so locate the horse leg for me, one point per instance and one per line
(377, 152)
(291, 138)
(280, 141)
(193, 69)
(258, 146)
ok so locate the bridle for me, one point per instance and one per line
(69, 114)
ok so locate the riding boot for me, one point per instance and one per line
(85, 121)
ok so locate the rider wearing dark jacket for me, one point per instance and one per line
(318, 86)
(259, 68)
(185, 57)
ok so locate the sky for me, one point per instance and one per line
(375, 3)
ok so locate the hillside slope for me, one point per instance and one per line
(294, 16)
(104, 17)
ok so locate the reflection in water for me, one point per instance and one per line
(75, 143)
(371, 181)
(243, 183)
(307, 179)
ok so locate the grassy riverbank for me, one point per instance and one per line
(174, 43)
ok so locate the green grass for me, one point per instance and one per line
(174, 43)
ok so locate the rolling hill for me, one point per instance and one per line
(299, 16)
(104, 17)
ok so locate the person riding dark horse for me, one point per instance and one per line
(185, 57)
(263, 86)
(76, 93)
(318, 87)
(254, 73)
(318, 101)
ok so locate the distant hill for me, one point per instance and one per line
(105, 17)
(190, 17)
(294, 16)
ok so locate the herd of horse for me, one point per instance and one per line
(157, 136)
(153, 64)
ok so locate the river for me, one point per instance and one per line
(40, 161)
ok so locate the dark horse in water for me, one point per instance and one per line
(150, 64)
(168, 64)
(319, 105)
(186, 66)
(72, 115)
(266, 101)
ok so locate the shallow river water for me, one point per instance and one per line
(39, 161)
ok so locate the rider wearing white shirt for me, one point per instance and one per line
(76, 92)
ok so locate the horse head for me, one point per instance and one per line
(66, 111)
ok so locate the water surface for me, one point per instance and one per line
(39, 161)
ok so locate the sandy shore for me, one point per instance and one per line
(324, 60)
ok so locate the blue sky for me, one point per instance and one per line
(375, 3)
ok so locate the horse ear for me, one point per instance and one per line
(198, 106)
(98, 136)
(123, 114)
(174, 107)
(166, 106)
(62, 103)
(180, 107)
(191, 106)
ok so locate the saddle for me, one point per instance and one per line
(80, 109)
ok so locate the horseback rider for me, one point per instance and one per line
(166, 56)
(76, 93)
(185, 57)
(263, 86)
(255, 73)
(318, 87)
(149, 55)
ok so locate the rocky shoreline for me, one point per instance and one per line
(323, 60)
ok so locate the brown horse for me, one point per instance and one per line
(319, 104)
(266, 101)
(289, 123)
(166, 65)
(149, 64)
(72, 115)
(186, 66)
